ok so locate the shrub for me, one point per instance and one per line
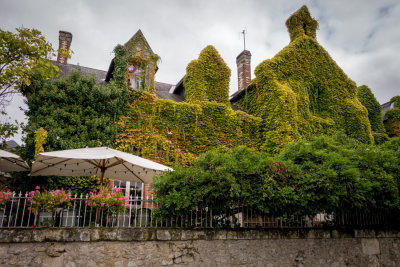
(329, 173)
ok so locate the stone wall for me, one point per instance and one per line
(172, 247)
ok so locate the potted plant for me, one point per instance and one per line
(4, 198)
(43, 204)
(110, 203)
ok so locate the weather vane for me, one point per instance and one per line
(244, 32)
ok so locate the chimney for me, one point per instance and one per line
(65, 39)
(244, 70)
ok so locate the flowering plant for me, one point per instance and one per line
(115, 201)
(5, 197)
(48, 201)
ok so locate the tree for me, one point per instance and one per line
(76, 112)
(23, 55)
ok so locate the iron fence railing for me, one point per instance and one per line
(139, 213)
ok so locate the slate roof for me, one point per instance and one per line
(162, 89)
(66, 69)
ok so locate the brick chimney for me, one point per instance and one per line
(244, 70)
(65, 39)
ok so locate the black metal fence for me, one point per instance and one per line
(139, 213)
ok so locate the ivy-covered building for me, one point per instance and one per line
(299, 93)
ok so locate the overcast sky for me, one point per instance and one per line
(362, 36)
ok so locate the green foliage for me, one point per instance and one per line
(23, 55)
(219, 181)
(369, 101)
(207, 78)
(76, 185)
(339, 173)
(396, 101)
(82, 113)
(193, 128)
(301, 24)
(40, 140)
(392, 124)
(139, 55)
(120, 67)
(77, 113)
(7, 130)
(327, 174)
(301, 93)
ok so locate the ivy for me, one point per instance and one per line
(139, 55)
(369, 101)
(392, 124)
(175, 133)
(301, 24)
(302, 92)
(207, 78)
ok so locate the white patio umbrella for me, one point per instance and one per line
(10, 162)
(100, 161)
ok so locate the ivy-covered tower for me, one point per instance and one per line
(302, 92)
(207, 78)
(142, 63)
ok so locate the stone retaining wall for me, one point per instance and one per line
(176, 247)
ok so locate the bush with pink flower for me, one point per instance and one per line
(5, 197)
(48, 200)
(114, 201)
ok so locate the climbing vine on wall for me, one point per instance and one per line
(369, 101)
(392, 124)
(175, 133)
(144, 61)
(301, 23)
(207, 78)
(301, 92)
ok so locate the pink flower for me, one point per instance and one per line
(88, 203)
(108, 220)
(71, 198)
(36, 214)
(37, 187)
(102, 204)
(34, 225)
(94, 203)
(29, 208)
